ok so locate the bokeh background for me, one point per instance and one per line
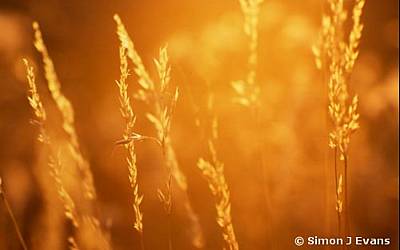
(207, 47)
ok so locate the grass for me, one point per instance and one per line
(86, 226)
(213, 171)
(161, 101)
(67, 112)
(130, 119)
(11, 214)
(165, 198)
(247, 94)
(336, 54)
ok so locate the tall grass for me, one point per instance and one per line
(129, 141)
(213, 171)
(67, 112)
(248, 91)
(161, 101)
(53, 161)
(247, 94)
(336, 54)
(88, 232)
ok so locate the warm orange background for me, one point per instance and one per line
(207, 46)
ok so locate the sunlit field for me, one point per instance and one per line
(180, 125)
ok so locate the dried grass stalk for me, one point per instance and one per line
(162, 102)
(165, 198)
(98, 236)
(213, 171)
(336, 54)
(248, 91)
(52, 218)
(11, 214)
(54, 164)
(67, 111)
(130, 119)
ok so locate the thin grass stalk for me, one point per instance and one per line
(247, 94)
(67, 111)
(156, 96)
(170, 232)
(53, 162)
(327, 168)
(165, 198)
(346, 199)
(90, 226)
(341, 54)
(142, 246)
(129, 139)
(338, 212)
(213, 171)
(87, 217)
(11, 214)
(264, 176)
(79, 221)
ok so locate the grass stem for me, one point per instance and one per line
(11, 214)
